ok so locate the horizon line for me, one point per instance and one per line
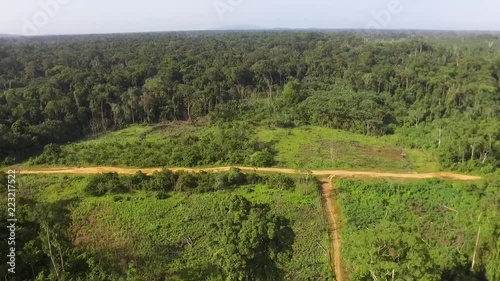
(250, 28)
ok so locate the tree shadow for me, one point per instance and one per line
(463, 273)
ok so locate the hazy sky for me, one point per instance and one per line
(38, 17)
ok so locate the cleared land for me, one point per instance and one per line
(174, 144)
(178, 229)
(323, 148)
(327, 189)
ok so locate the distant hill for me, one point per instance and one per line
(10, 36)
(241, 27)
(246, 27)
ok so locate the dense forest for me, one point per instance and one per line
(303, 101)
(439, 94)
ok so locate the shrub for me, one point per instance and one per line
(138, 181)
(186, 182)
(221, 182)
(262, 158)
(100, 185)
(162, 195)
(235, 177)
(254, 178)
(162, 181)
(51, 154)
(206, 182)
(281, 182)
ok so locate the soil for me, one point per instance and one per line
(337, 173)
(334, 218)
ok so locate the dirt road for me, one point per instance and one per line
(334, 217)
(327, 189)
(337, 173)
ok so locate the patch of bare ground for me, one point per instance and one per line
(327, 192)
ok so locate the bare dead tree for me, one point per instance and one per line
(51, 255)
(475, 250)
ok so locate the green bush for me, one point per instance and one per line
(263, 158)
(235, 177)
(428, 229)
(162, 181)
(166, 181)
(162, 195)
(281, 182)
(103, 184)
(52, 153)
(186, 182)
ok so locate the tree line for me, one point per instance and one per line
(54, 90)
(167, 181)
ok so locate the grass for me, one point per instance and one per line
(143, 137)
(51, 189)
(140, 132)
(174, 235)
(135, 146)
(323, 148)
(300, 148)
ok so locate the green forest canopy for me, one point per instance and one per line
(438, 92)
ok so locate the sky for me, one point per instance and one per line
(41, 17)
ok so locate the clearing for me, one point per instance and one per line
(327, 189)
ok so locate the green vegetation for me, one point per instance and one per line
(442, 98)
(303, 100)
(252, 242)
(322, 148)
(420, 231)
(165, 181)
(171, 145)
(301, 148)
(139, 235)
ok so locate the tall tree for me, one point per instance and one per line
(252, 244)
